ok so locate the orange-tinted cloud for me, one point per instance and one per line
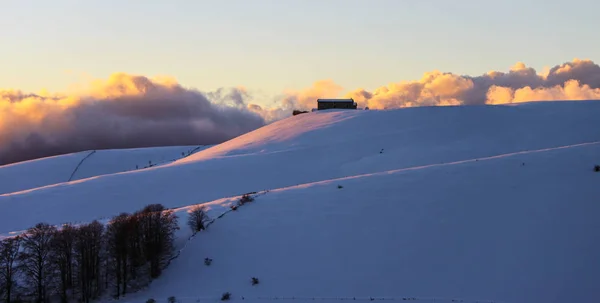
(297, 99)
(120, 112)
(575, 80)
(570, 90)
(320, 89)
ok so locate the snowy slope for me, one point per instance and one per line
(312, 147)
(52, 170)
(105, 162)
(492, 230)
(37, 173)
(410, 221)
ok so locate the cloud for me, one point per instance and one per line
(575, 80)
(297, 99)
(123, 111)
(570, 90)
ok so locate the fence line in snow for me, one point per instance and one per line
(209, 223)
(190, 152)
(79, 164)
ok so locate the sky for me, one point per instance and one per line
(271, 46)
(80, 75)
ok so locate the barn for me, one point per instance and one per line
(335, 103)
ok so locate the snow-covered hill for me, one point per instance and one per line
(37, 173)
(53, 170)
(479, 202)
(492, 230)
(106, 162)
(308, 148)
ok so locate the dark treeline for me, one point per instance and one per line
(83, 263)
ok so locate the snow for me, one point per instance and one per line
(52, 170)
(37, 173)
(491, 229)
(106, 162)
(475, 202)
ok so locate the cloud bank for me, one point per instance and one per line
(124, 111)
(575, 80)
(127, 111)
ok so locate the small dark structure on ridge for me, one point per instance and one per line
(336, 103)
(297, 112)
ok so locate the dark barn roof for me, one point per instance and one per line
(336, 100)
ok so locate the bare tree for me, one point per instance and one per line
(158, 226)
(135, 254)
(9, 250)
(62, 257)
(88, 255)
(35, 259)
(197, 218)
(138, 247)
(117, 236)
(82, 262)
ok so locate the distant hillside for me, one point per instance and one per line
(53, 170)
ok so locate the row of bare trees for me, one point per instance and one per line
(85, 262)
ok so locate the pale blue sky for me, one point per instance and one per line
(271, 45)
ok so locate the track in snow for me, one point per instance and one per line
(79, 164)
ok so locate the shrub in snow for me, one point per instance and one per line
(226, 296)
(207, 261)
(254, 280)
(245, 199)
(197, 218)
(339, 186)
(151, 301)
(172, 299)
(597, 168)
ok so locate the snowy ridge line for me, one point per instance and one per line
(106, 219)
(292, 298)
(79, 164)
(191, 152)
(393, 171)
